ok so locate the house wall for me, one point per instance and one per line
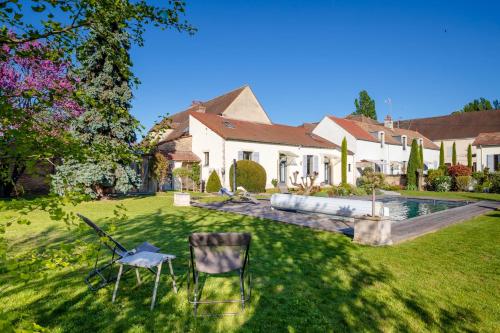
(462, 145)
(269, 159)
(223, 152)
(332, 132)
(372, 151)
(482, 153)
(206, 140)
(247, 107)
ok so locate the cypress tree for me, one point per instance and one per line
(454, 154)
(344, 161)
(441, 155)
(413, 165)
(469, 156)
(421, 151)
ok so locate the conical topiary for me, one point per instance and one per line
(213, 183)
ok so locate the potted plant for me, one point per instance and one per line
(374, 229)
(181, 198)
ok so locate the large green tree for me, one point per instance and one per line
(481, 104)
(365, 105)
(344, 161)
(413, 166)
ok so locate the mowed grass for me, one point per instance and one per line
(303, 280)
(453, 195)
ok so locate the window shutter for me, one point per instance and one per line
(304, 166)
(490, 163)
(240, 155)
(315, 164)
(255, 156)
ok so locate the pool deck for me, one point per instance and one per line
(401, 231)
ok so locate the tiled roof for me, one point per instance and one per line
(455, 126)
(362, 130)
(487, 139)
(231, 129)
(180, 121)
(185, 156)
(354, 129)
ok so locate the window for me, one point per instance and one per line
(327, 173)
(309, 165)
(247, 155)
(206, 156)
(349, 167)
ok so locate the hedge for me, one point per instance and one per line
(251, 175)
(213, 183)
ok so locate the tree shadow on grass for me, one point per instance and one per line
(303, 280)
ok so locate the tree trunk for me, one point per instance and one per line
(373, 202)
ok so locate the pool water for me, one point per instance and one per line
(403, 208)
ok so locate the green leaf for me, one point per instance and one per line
(38, 9)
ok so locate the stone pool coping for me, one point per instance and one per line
(401, 230)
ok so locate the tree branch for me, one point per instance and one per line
(48, 34)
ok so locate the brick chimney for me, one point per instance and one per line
(388, 122)
(198, 106)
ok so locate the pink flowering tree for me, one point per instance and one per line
(38, 102)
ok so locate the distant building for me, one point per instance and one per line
(463, 129)
(381, 146)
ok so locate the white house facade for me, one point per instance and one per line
(283, 151)
(383, 147)
(234, 126)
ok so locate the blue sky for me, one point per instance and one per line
(305, 59)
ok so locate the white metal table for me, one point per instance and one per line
(147, 260)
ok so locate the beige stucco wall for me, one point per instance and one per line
(462, 145)
(247, 107)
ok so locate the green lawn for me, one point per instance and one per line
(453, 195)
(304, 280)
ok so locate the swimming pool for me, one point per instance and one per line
(405, 208)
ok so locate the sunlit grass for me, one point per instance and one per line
(303, 280)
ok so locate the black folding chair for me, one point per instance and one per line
(105, 273)
(218, 253)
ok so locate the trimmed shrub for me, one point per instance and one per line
(469, 156)
(495, 182)
(432, 174)
(459, 170)
(441, 155)
(413, 166)
(359, 191)
(344, 161)
(251, 175)
(454, 154)
(341, 190)
(442, 184)
(390, 187)
(463, 182)
(213, 183)
(274, 181)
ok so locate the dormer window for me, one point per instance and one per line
(404, 141)
(381, 138)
